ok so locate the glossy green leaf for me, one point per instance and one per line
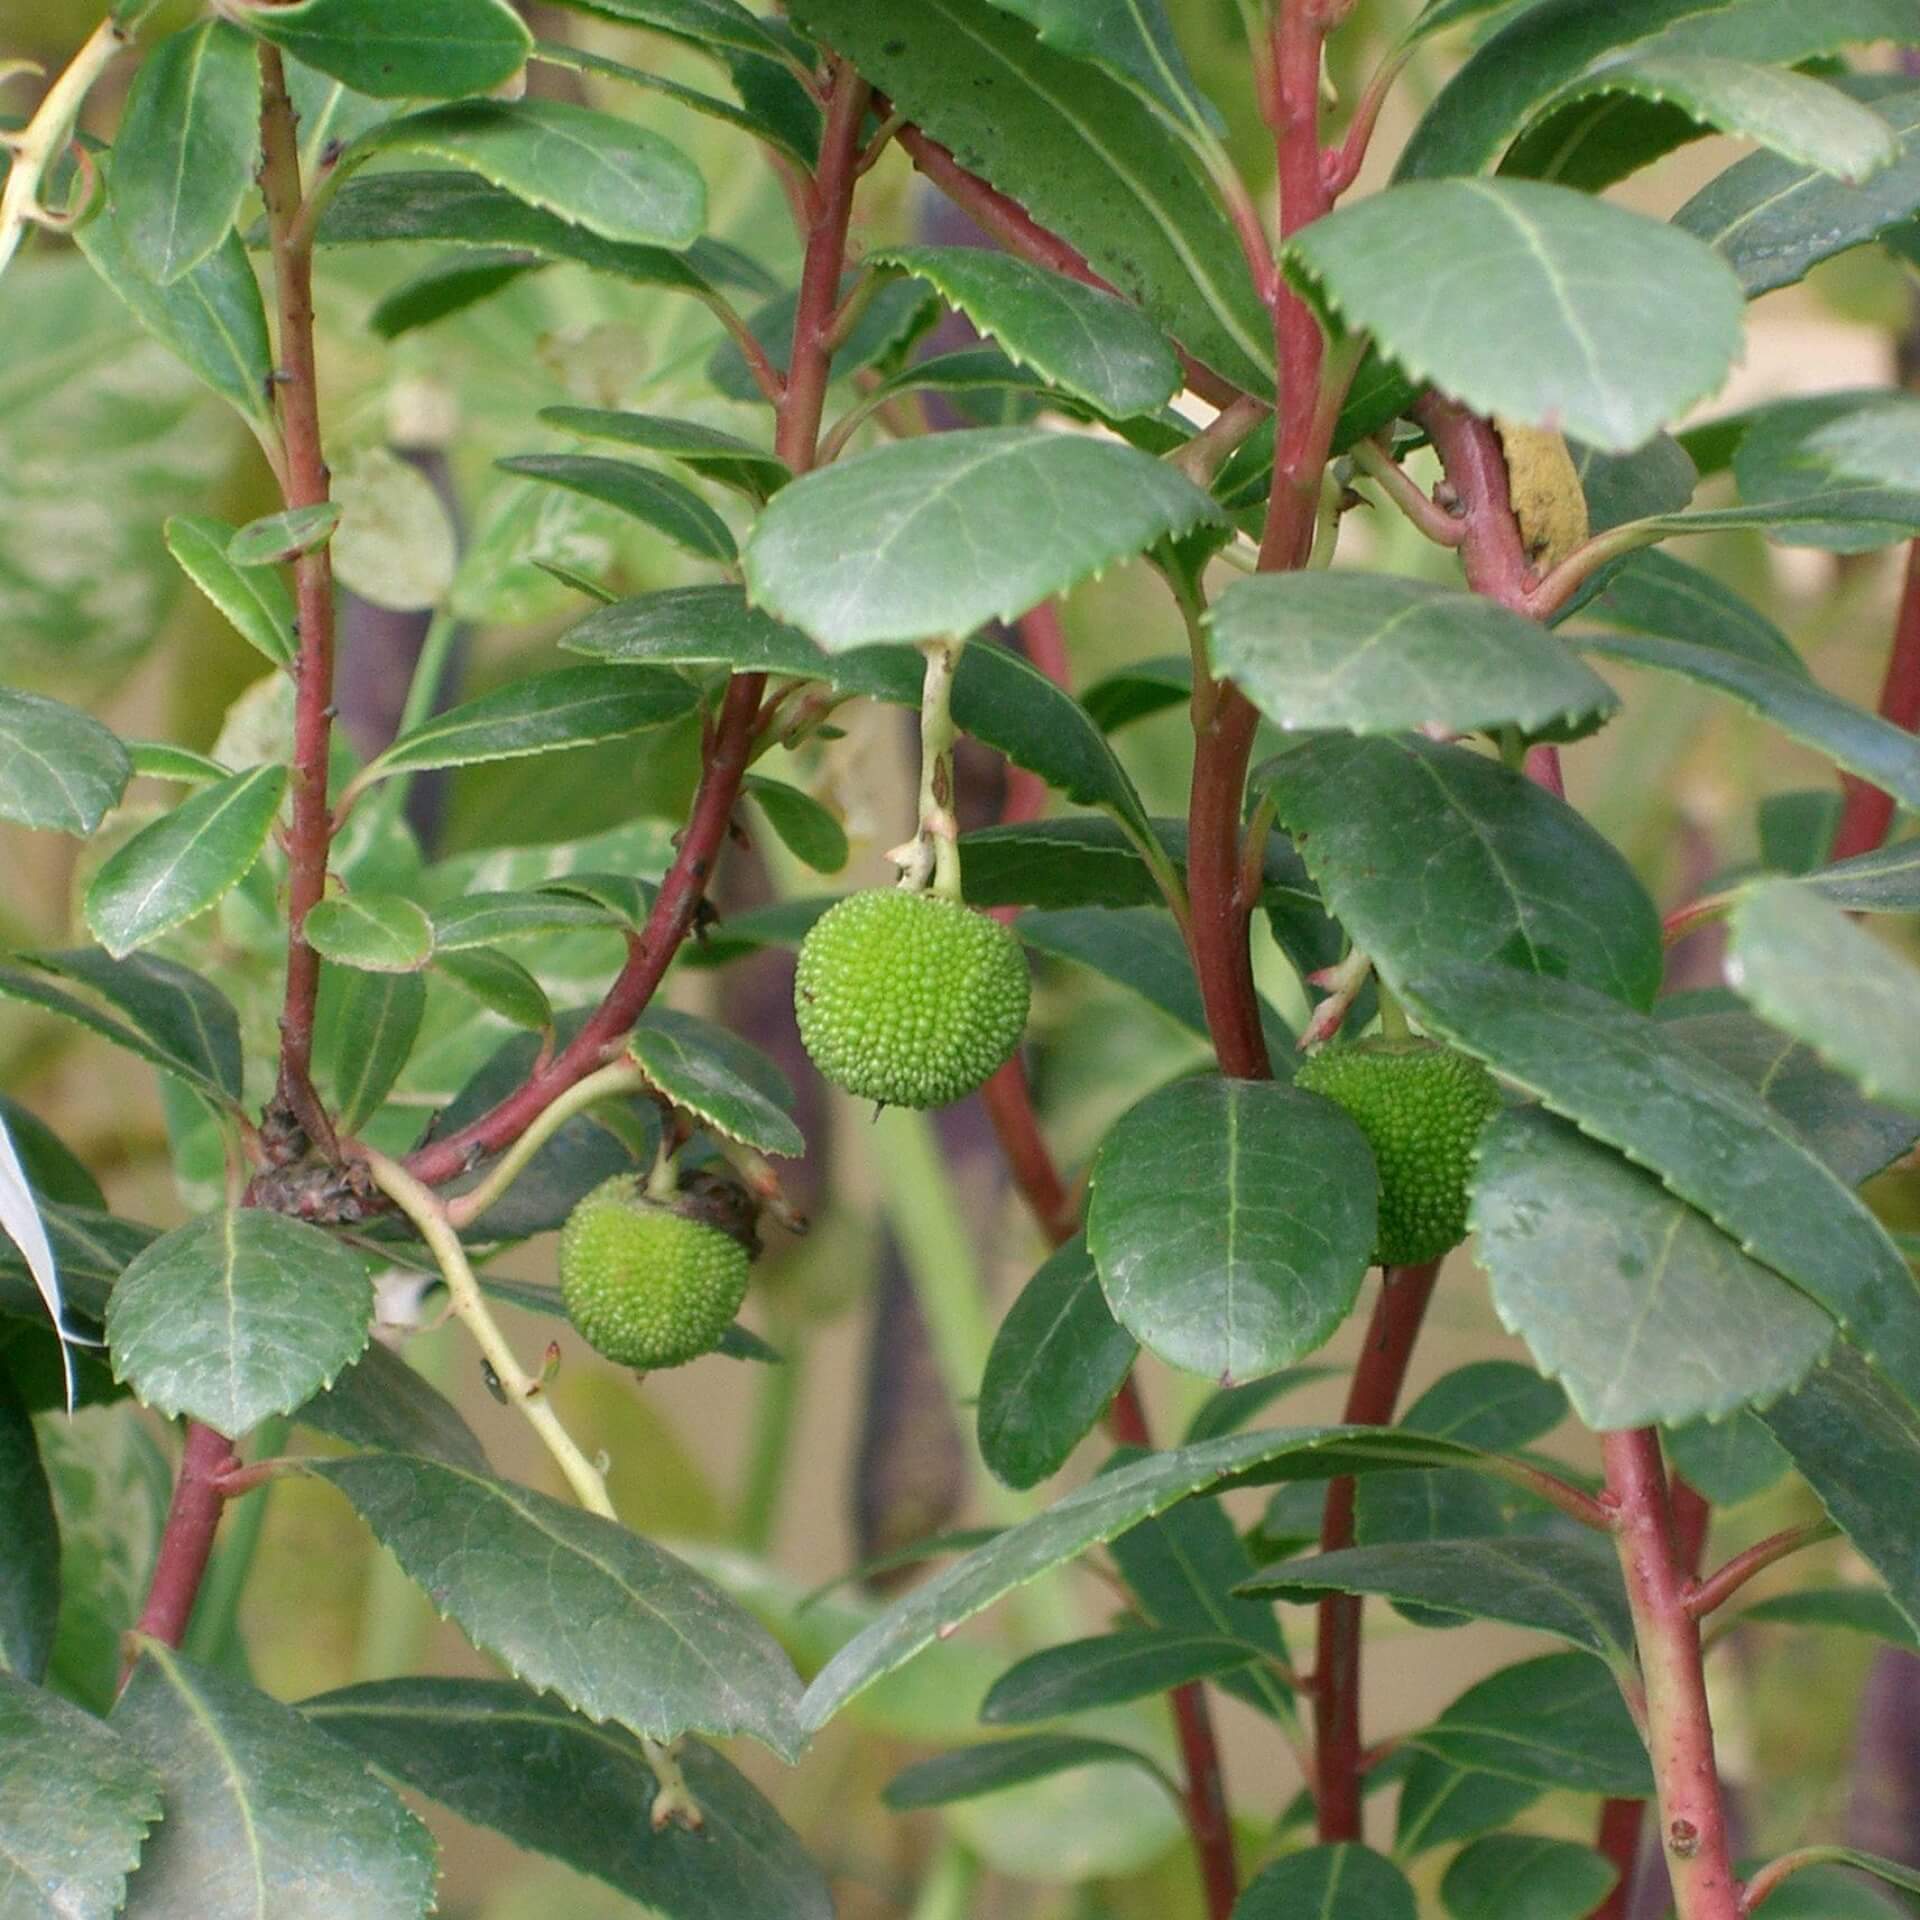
(543, 713)
(1082, 339)
(550, 1779)
(1624, 1080)
(1108, 1670)
(724, 457)
(1419, 265)
(1055, 1365)
(385, 1405)
(995, 1765)
(808, 831)
(162, 760)
(186, 147)
(1393, 828)
(959, 529)
(1869, 438)
(1371, 653)
(724, 24)
(431, 48)
(1845, 1609)
(79, 1804)
(59, 767)
(264, 1813)
(1653, 593)
(276, 538)
(1643, 1308)
(1782, 31)
(618, 180)
(254, 599)
(1568, 1588)
(1853, 1436)
(887, 323)
(480, 919)
(1343, 1881)
(729, 1086)
(1134, 41)
(1232, 1222)
(366, 1041)
(1512, 1873)
(1774, 220)
(1078, 151)
(1441, 1804)
(1835, 469)
(181, 864)
(500, 983)
(1884, 881)
(376, 932)
(30, 1572)
(92, 1249)
(624, 897)
(1728, 1460)
(521, 1573)
(450, 286)
(1232, 1408)
(236, 1316)
(671, 509)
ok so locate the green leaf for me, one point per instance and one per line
(185, 151)
(1108, 1670)
(1232, 1222)
(79, 1804)
(724, 457)
(624, 897)
(396, 546)
(183, 862)
(188, 1023)
(1509, 1873)
(276, 538)
(543, 713)
(448, 287)
(1867, 437)
(1078, 151)
(1853, 1436)
(1837, 454)
(1884, 881)
(1344, 1881)
(550, 1779)
(651, 498)
(375, 932)
(1232, 1408)
(959, 529)
(618, 180)
(1369, 653)
(1569, 1588)
(1389, 826)
(887, 324)
(91, 1249)
(1783, 32)
(1139, 690)
(1789, 949)
(435, 48)
(236, 1316)
(1727, 1460)
(210, 319)
(254, 600)
(500, 983)
(30, 1573)
(1134, 41)
(162, 760)
(1440, 1804)
(1566, 273)
(1624, 1080)
(995, 1765)
(1055, 1365)
(520, 1572)
(1641, 1306)
(730, 1087)
(1848, 1609)
(1088, 342)
(263, 1811)
(59, 767)
(701, 23)
(367, 1036)
(804, 827)
(383, 1404)
(1654, 593)
(1774, 220)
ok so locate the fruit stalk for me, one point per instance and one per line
(935, 855)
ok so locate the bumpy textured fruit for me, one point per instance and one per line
(1422, 1107)
(909, 999)
(646, 1286)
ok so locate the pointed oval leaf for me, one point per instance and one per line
(663, 504)
(276, 538)
(550, 1779)
(30, 1574)
(618, 180)
(1090, 343)
(480, 919)
(186, 146)
(79, 1805)
(367, 1034)
(1419, 266)
(888, 322)
(701, 23)
(1108, 1670)
(1055, 1365)
(722, 1081)
(804, 827)
(1508, 1873)
(254, 599)
(376, 932)
(1656, 594)
(1134, 41)
(1845, 1609)
(720, 456)
(265, 1814)
(1643, 1308)
(1387, 825)
(435, 48)
(574, 1604)
(995, 1765)
(236, 1316)
(59, 767)
(958, 529)
(1342, 1881)
(1884, 881)
(1368, 653)
(500, 983)
(185, 861)
(1624, 1080)
(386, 1406)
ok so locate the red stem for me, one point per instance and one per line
(1693, 1828)
(1374, 1392)
(1222, 956)
(187, 1541)
(1868, 812)
(1721, 1585)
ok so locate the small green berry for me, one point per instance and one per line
(1422, 1107)
(645, 1285)
(910, 999)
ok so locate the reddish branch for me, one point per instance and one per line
(1720, 1586)
(304, 484)
(193, 1518)
(1869, 812)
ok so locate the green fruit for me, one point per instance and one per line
(645, 1285)
(909, 999)
(1422, 1107)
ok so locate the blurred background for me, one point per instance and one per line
(779, 1479)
